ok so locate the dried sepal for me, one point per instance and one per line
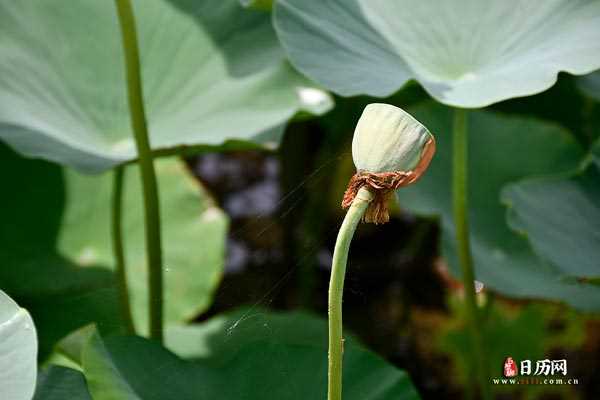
(390, 149)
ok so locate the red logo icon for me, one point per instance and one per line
(510, 367)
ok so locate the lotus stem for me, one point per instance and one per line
(336, 289)
(461, 222)
(117, 241)
(145, 161)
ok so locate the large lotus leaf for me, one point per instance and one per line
(561, 218)
(222, 336)
(467, 53)
(276, 367)
(60, 383)
(213, 75)
(18, 351)
(60, 296)
(193, 228)
(56, 229)
(502, 150)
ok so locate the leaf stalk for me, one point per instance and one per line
(145, 160)
(118, 250)
(461, 223)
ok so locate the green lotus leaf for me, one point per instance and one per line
(208, 83)
(222, 336)
(194, 232)
(57, 245)
(60, 383)
(466, 53)
(59, 295)
(18, 351)
(503, 150)
(239, 366)
(561, 218)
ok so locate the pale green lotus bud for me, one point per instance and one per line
(388, 139)
(391, 149)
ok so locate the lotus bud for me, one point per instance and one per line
(390, 149)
